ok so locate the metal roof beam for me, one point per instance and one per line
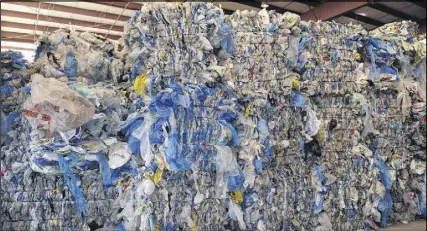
(363, 19)
(331, 9)
(73, 10)
(392, 11)
(46, 28)
(60, 20)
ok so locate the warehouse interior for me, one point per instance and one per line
(215, 115)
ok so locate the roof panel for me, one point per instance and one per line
(43, 23)
(237, 6)
(43, 13)
(415, 11)
(397, 5)
(280, 4)
(388, 18)
(369, 26)
(298, 7)
(96, 7)
(370, 12)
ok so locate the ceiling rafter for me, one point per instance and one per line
(49, 29)
(65, 21)
(15, 35)
(131, 6)
(70, 9)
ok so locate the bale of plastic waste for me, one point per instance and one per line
(77, 56)
(254, 121)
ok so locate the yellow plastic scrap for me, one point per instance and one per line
(63, 152)
(357, 56)
(295, 84)
(54, 221)
(140, 83)
(237, 196)
(138, 211)
(394, 156)
(158, 175)
(248, 109)
(321, 135)
(194, 218)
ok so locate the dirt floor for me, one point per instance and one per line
(412, 226)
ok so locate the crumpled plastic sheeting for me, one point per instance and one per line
(322, 148)
(77, 56)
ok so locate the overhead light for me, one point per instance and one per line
(264, 5)
(362, 14)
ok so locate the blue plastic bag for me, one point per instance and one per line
(71, 182)
(70, 67)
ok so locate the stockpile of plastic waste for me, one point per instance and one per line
(399, 121)
(15, 174)
(71, 148)
(366, 118)
(253, 121)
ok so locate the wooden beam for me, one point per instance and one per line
(363, 19)
(49, 29)
(331, 9)
(74, 10)
(16, 48)
(65, 21)
(391, 11)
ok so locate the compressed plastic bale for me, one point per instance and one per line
(74, 54)
(269, 126)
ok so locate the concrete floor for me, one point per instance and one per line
(412, 226)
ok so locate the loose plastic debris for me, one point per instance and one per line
(252, 121)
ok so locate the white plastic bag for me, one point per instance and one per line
(55, 103)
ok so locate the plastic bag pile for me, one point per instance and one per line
(253, 121)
